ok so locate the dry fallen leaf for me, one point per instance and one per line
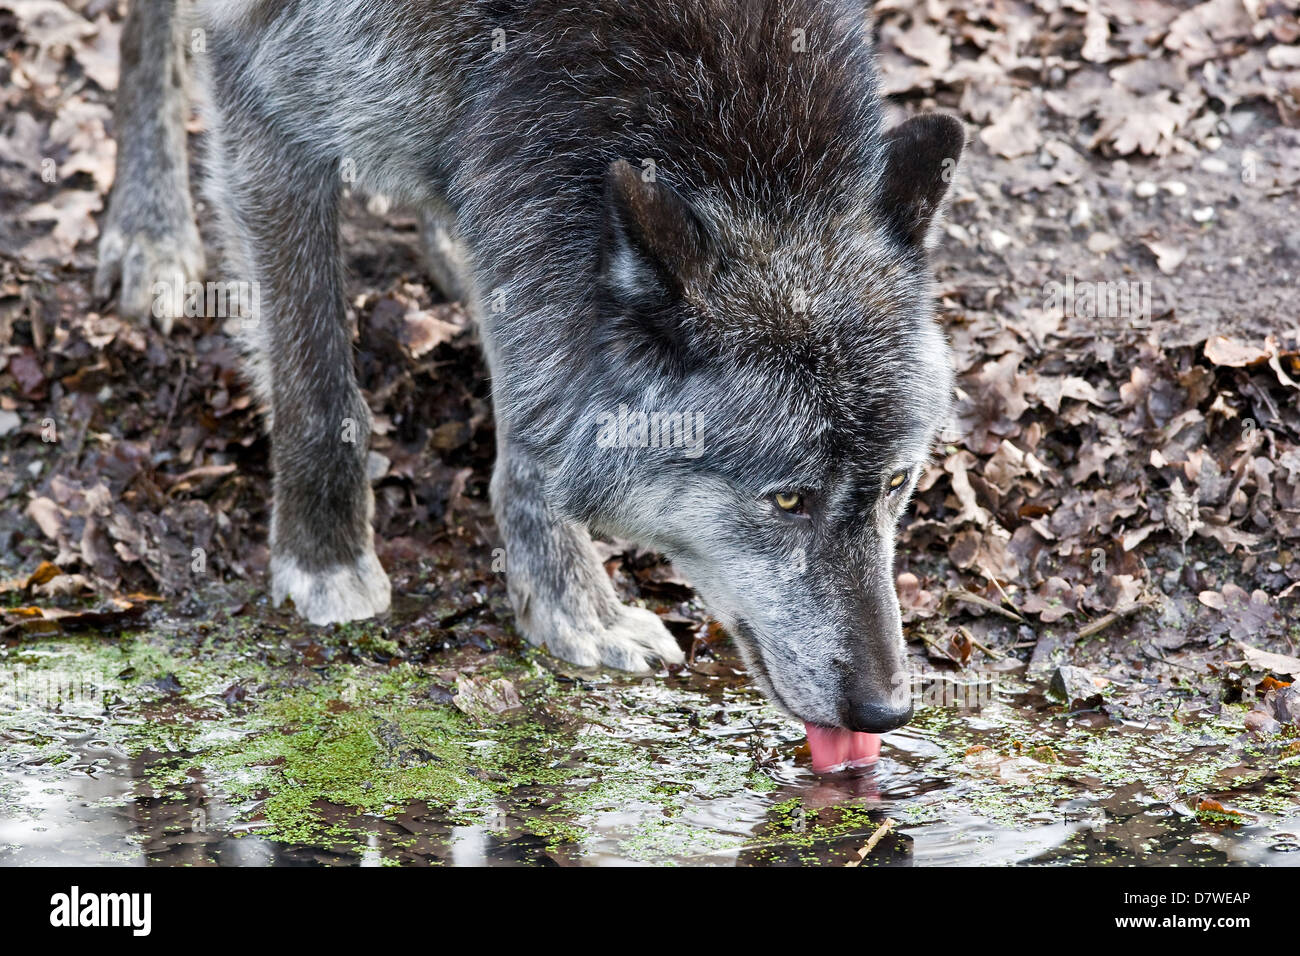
(99, 57)
(1096, 37)
(1197, 33)
(1016, 131)
(72, 212)
(1269, 661)
(482, 699)
(926, 43)
(423, 331)
(44, 572)
(1169, 256)
(1224, 351)
(1212, 599)
(1144, 124)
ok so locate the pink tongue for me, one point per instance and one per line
(833, 748)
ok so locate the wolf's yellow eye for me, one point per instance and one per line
(788, 501)
(896, 480)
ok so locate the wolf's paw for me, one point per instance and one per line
(150, 268)
(345, 593)
(632, 642)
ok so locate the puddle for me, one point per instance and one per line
(243, 745)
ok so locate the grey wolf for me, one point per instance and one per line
(679, 209)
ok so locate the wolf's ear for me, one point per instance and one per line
(654, 246)
(920, 161)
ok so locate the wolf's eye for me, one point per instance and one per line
(790, 502)
(897, 480)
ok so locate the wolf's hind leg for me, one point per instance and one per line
(149, 235)
(279, 206)
(562, 597)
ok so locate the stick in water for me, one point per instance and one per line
(871, 844)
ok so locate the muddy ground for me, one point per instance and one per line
(1100, 571)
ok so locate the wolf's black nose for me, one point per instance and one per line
(876, 718)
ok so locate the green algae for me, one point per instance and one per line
(318, 738)
(310, 757)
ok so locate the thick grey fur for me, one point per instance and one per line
(670, 207)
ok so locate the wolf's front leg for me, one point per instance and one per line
(279, 206)
(563, 599)
(149, 236)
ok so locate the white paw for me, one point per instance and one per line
(344, 593)
(634, 641)
(150, 272)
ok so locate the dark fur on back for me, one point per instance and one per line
(779, 150)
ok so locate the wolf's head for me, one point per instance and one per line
(774, 379)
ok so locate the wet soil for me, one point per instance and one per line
(234, 736)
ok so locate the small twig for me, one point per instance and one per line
(987, 650)
(1005, 596)
(876, 837)
(940, 648)
(1152, 655)
(968, 597)
(458, 615)
(201, 473)
(1099, 625)
(176, 400)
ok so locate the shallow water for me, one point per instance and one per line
(131, 751)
